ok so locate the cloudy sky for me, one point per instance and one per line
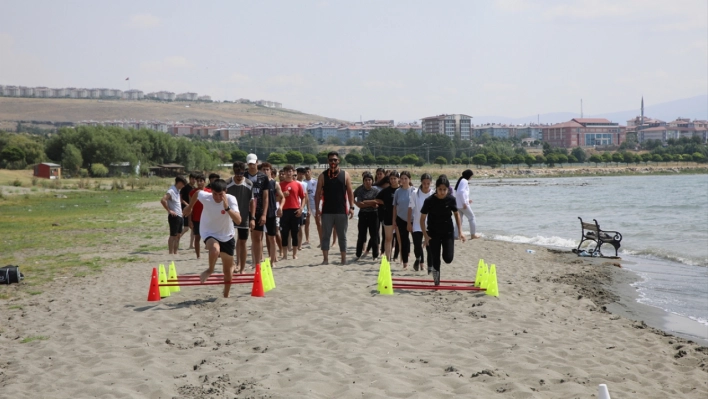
(400, 60)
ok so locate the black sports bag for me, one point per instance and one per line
(10, 274)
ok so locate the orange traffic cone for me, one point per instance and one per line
(257, 289)
(154, 292)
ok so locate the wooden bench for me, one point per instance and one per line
(592, 232)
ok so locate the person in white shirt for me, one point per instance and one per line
(311, 188)
(415, 204)
(462, 197)
(171, 202)
(219, 215)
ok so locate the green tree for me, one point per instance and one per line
(617, 157)
(540, 159)
(277, 158)
(294, 157)
(409, 159)
(518, 159)
(322, 157)
(529, 160)
(686, 158)
(606, 157)
(441, 161)
(493, 160)
(698, 157)
(12, 154)
(354, 158)
(382, 160)
(562, 158)
(646, 157)
(551, 160)
(579, 154)
(99, 170)
(657, 158)
(596, 159)
(369, 159)
(628, 158)
(309, 159)
(333, 140)
(354, 141)
(71, 158)
(572, 159)
(505, 159)
(238, 156)
(479, 160)
(394, 160)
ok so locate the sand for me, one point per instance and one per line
(324, 332)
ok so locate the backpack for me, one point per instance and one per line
(10, 274)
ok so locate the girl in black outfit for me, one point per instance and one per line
(440, 234)
(385, 199)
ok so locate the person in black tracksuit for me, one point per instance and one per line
(440, 233)
(365, 199)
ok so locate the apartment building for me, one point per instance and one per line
(454, 125)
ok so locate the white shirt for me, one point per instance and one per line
(175, 202)
(305, 186)
(216, 223)
(416, 203)
(462, 194)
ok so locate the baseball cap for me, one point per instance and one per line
(251, 158)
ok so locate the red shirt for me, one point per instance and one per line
(198, 207)
(293, 200)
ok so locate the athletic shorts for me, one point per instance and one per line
(186, 222)
(176, 225)
(242, 234)
(304, 218)
(196, 228)
(227, 247)
(269, 225)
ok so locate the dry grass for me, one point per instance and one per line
(73, 110)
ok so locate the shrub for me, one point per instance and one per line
(83, 173)
(99, 170)
(17, 183)
(34, 180)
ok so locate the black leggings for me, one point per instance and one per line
(402, 226)
(289, 226)
(418, 246)
(444, 242)
(368, 222)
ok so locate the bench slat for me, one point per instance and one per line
(589, 226)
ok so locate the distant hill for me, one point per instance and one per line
(692, 107)
(74, 110)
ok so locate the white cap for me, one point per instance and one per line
(251, 158)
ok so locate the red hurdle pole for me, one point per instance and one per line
(209, 279)
(213, 275)
(437, 287)
(430, 281)
(207, 283)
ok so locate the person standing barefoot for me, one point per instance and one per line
(335, 186)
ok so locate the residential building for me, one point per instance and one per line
(494, 130)
(133, 94)
(187, 96)
(204, 98)
(26, 91)
(42, 92)
(532, 131)
(322, 132)
(454, 125)
(584, 132)
(181, 130)
(404, 128)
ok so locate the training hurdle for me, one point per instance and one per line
(486, 280)
(162, 286)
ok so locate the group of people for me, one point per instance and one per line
(224, 212)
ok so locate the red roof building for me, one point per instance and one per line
(584, 132)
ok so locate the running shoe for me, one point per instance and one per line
(415, 264)
(436, 277)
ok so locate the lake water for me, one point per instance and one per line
(663, 221)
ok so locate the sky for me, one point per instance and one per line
(369, 59)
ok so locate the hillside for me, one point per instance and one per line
(73, 110)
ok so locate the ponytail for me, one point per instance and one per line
(465, 175)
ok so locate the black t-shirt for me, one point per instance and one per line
(260, 184)
(184, 194)
(439, 213)
(386, 195)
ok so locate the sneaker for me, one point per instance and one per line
(436, 277)
(415, 265)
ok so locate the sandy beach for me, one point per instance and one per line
(324, 332)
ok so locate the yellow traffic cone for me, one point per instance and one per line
(386, 282)
(172, 275)
(492, 287)
(266, 273)
(485, 276)
(381, 272)
(480, 273)
(270, 275)
(164, 291)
